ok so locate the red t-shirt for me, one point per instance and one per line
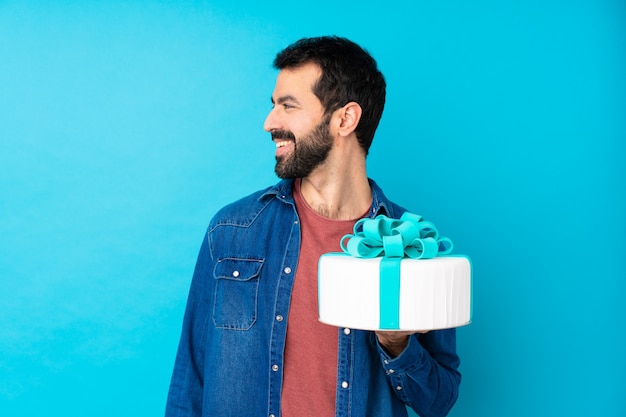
(310, 368)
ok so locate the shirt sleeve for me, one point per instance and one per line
(186, 386)
(425, 375)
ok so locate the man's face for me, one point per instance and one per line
(297, 123)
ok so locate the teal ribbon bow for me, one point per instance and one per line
(409, 236)
(394, 239)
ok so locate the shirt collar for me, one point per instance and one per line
(283, 190)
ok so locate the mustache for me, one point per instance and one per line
(283, 134)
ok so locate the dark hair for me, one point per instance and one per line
(349, 73)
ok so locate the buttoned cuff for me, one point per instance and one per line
(410, 358)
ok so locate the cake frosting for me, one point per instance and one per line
(434, 293)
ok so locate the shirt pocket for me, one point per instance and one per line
(236, 292)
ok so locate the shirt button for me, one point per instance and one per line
(344, 384)
(346, 331)
(391, 371)
(279, 318)
(235, 274)
(399, 388)
(274, 368)
(287, 270)
(272, 415)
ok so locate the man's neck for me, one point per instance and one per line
(338, 195)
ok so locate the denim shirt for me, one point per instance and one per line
(231, 352)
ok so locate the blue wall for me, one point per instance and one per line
(124, 127)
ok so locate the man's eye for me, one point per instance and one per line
(288, 106)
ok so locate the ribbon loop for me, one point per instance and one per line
(393, 246)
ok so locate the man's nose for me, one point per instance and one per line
(271, 121)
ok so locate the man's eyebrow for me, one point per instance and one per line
(283, 99)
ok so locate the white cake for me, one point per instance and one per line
(433, 293)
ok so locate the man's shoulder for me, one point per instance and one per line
(245, 209)
(380, 201)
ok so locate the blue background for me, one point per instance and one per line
(124, 126)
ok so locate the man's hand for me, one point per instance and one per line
(394, 342)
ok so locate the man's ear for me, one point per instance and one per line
(349, 116)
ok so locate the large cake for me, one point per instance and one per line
(371, 286)
(433, 294)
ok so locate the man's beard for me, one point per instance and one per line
(308, 153)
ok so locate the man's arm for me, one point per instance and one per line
(422, 369)
(185, 393)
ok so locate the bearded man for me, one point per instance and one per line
(251, 341)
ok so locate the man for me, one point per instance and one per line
(251, 343)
